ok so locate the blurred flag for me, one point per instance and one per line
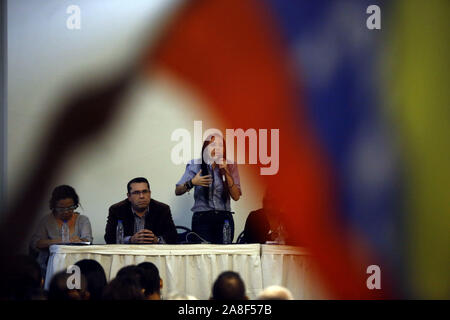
(419, 105)
(313, 70)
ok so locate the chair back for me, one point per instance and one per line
(182, 232)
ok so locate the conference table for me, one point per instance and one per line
(192, 268)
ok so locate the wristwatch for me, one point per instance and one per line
(188, 184)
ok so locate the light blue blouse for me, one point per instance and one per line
(216, 202)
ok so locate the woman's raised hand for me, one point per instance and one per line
(203, 181)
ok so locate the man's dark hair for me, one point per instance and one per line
(63, 192)
(95, 276)
(151, 278)
(137, 180)
(229, 286)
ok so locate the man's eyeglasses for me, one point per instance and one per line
(68, 209)
(138, 193)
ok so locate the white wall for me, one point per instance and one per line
(45, 58)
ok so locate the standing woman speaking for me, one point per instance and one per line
(214, 182)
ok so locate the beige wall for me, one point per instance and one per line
(45, 59)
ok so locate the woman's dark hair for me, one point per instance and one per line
(151, 278)
(146, 275)
(204, 167)
(133, 276)
(63, 192)
(95, 276)
(123, 288)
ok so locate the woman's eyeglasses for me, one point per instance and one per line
(68, 209)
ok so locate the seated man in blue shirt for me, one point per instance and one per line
(144, 219)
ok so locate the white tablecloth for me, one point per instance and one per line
(192, 269)
(290, 267)
(185, 268)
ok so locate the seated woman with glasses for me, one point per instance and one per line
(63, 203)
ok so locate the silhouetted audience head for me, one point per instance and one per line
(229, 286)
(275, 293)
(22, 279)
(145, 278)
(127, 271)
(95, 277)
(126, 287)
(59, 287)
(152, 281)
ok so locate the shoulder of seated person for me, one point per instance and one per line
(47, 217)
(120, 204)
(82, 217)
(158, 204)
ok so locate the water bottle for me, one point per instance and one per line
(226, 232)
(65, 237)
(119, 232)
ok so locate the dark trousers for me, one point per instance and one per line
(209, 225)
